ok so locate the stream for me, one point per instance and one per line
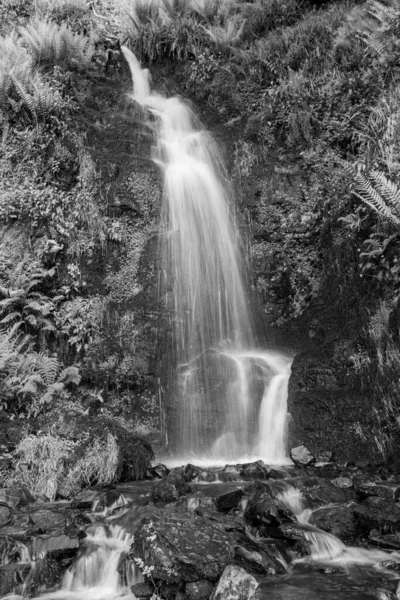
(331, 570)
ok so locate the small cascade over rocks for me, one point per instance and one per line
(230, 398)
(100, 573)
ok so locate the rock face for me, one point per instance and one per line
(183, 547)
(236, 584)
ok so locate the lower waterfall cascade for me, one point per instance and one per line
(231, 396)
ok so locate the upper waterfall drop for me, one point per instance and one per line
(222, 383)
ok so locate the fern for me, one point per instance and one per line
(52, 44)
(385, 200)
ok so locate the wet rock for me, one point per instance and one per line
(327, 494)
(11, 550)
(232, 469)
(86, 499)
(142, 590)
(164, 492)
(342, 482)
(255, 470)
(262, 511)
(297, 535)
(338, 520)
(47, 520)
(198, 590)
(385, 595)
(278, 474)
(157, 472)
(377, 513)
(16, 496)
(390, 540)
(110, 500)
(230, 500)
(12, 577)
(183, 547)
(382, 490)
(197, 503)
(324, 457)
(252, 560)
(190, 472)
(235, 584)
(58, 546)
(390, 565)
(5, 515)
(301, 456)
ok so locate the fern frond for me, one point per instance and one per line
(368, 194)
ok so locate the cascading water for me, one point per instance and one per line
(223, 387)
(100, 573)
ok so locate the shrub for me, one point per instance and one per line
(15, 66)
(47, 461)
(52, 44)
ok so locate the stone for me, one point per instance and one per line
(338, 520)
(164, 492)
(16, 496)
(390, 565)
(58, 546)
(262, 510)
(301, 456)
(385, 595)
(232, 469)
(5, 515)
(343, 482)
(47, 520)
(381, 489)
(190, 472)
(324, 457)
(377, 513)
(197, 503)
(183, 547)
(157, 472)
(86, 499)
(142, 590)
(235, 584)
(251, 560)
(199, 590)
(298, 536)
(390, 541)
(255, 470)
(230, 500)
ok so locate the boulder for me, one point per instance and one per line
(57, 546)
(197, 503)
(382, 489)
(16, 496)
(183, 548)
(190, 472)
(165, 492)
(157, 472)
(338, 520)
(230, 500)
(255, 470)
(262, 510)
(235, 584)
(297, 535)
(343, 483)
(301, 456)
(142, 590)
(390, 541)
(86, 499)
(199, 590)
(5, 515)
(377, 513)
(47, 520)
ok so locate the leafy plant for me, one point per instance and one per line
(52, 44)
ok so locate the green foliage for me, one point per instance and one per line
(51, 44)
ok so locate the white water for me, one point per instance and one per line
(325, 547)
(230, 398)
(99, 574)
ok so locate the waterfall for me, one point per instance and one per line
(223, 387)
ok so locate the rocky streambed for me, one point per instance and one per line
(316, 530)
